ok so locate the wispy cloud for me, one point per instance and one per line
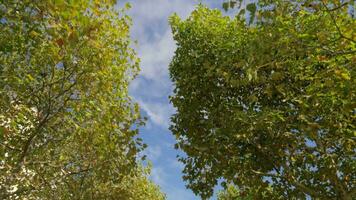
(151, 29)
(153, 152)
(159, 113)
(155, 48)
(155, 57)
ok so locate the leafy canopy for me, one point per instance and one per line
(68, 128)
(268, 106)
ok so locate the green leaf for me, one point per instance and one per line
(251, 7)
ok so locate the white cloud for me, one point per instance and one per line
(155, 49)
(159, 113)
(152, 87)
(155, 56)
(151, 29)
(153, 152)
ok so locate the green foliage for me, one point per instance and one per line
(268, 107)
(231, 193)
(67, 123)
(242, 6)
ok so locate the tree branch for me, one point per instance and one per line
(334, 21)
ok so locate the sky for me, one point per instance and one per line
(151, 89)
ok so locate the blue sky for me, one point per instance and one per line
(152, 87)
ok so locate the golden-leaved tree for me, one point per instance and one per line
(68, 128)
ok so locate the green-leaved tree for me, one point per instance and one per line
(268, 105)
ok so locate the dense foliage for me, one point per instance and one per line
(268, 105)
(67, 124)
(229, 193)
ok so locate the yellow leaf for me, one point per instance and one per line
(34, 34)
(345, 76)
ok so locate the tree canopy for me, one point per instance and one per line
(68, 128)
(267, 105)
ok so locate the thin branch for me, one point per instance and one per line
(32, 136)
(266, 174)
(338, 7)
(334, 21)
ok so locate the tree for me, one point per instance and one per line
(269, 105)
(68, 128)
